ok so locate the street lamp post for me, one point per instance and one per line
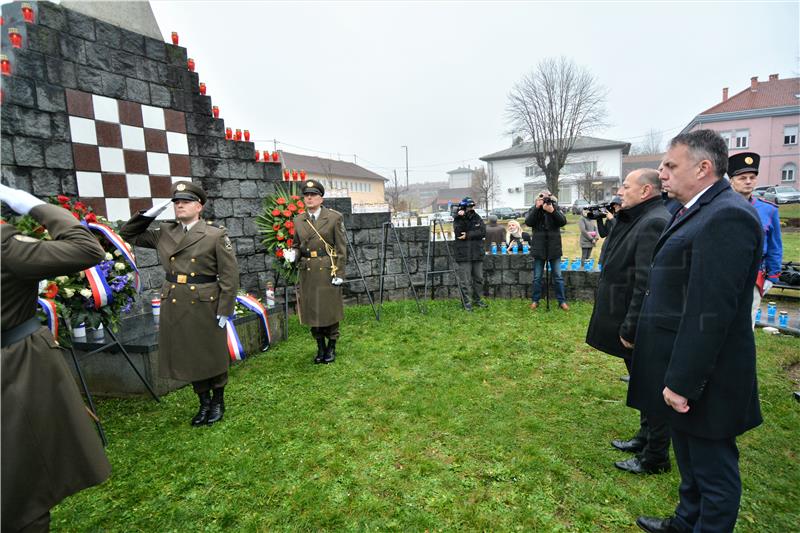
(406, 148)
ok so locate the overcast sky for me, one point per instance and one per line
(340, 78)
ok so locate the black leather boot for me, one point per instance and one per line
(330, 352)
(202, 414)
(217, 406)
(320, 351)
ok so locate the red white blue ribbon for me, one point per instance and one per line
(235, 348)
(49, 308)
(258, 308)
(120, 245)
(101, 292)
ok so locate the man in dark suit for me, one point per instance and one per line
(694, 357)
(628, 252)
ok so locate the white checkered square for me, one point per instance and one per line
(118, 209)
(89, 184)
(105, 109)
(153, 117)
(82, 130)
(138, 185)
(168, 213)
(132, 137)
(112, 160)
(158, 164)
(177, 143)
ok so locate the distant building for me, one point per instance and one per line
(762, 118)
(460, 178)
(420, 196)
(340, 178)
(632, 162)
(592, 172)
(449, 197)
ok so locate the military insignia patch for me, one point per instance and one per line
(310, 183)
(748, 160)
(25, 238)
(181, 187)
(228, 245)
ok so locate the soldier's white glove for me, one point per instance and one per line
(767, 286)
(156, 210)
(290, 254)
(222, 321)
(336, 281)
(20, 201)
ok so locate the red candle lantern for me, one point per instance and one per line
(5, 65)
(1, 21)
(238, 135)
(215, 111)
(228, 133)
(294, 174)
(303, 175)
(27, 13)
(275, 156)
(266, 156)
(175, 38)
(285, 174)
(15, 37)
(202, 88)
(258, 155)
(1, 96)
(246, 135)
(190, 64)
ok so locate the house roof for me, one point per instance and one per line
(632, 162)
(770, 93)
(582, 144)
(460, 170)
(327, 167)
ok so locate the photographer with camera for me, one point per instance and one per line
(589, 237)
(627, 255)
(546, 220)
(470, 230)
(607, 218)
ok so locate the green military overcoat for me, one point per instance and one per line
(320, 302)
(49, 447)
(191, 346)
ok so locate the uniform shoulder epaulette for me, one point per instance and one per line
(214, 225)
(334, 211)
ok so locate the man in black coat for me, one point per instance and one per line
(469, 231)
(546, 221)
(627, 253)
(694, 359)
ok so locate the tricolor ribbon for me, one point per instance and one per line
(120, 245)
(258, 308)
(49, 308)
(235, 348)
(101, 292)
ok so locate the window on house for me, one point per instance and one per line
(726, 135)
(742, 138)
(583, 168)
(788, 172)
(790, 135)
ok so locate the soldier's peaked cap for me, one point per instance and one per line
(313, 187)
(743, 162)
(186, 190)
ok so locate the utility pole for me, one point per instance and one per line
(274, 145)
(406, 147)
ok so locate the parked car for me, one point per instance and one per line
(758, 192)
(504, 213)
(482, 213)
(782, 194)
(578, 205)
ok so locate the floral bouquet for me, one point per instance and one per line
(93, 296)
(277, 227)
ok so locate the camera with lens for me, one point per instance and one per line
(546, 199)
(595, 212)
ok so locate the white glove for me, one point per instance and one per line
(222, 321)
(290, 254)
(767, 286)
(156, 210)
(336, 281)
(20, 201)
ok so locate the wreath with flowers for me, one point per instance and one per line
(276, 225)
(99, 295)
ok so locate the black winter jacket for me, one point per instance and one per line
(470, 249)
(546, 243)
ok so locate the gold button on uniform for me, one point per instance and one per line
(173, 286)
(172, 258)
(192, 301)
(192, 288)
(212, 298)
(194, 260)
(174, 301)
(192, 274)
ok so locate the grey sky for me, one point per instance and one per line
(362, 78)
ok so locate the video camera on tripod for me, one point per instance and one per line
(598, 211)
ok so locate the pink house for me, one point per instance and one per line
(763, 118)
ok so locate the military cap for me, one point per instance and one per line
(467, 202)
(186, 190)
(743, 162)
(313, 187)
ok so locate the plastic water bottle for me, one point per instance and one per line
(564, 263)
(494, 248)
(758, 315)
(783, 321)
(514, 248)
(503, 249)
(772, 310)
(270, 296)
(576, 265)
(587, 265)
(525, 247)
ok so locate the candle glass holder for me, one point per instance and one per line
(246, 135)
(190, 64)
(15, 37)
(175, 38)
(27, 13)
(215, 111)
(202, 88)
(228, 134)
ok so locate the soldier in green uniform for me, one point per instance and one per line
(49, 448)
(321, 249)
(197, 298)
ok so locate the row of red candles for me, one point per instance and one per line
(293, 175)
(15, 38)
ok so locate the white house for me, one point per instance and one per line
(592, 171)
(460, 178)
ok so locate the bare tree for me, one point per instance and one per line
(651, 144)
(484, 187)
(394, 193)
(551, 107)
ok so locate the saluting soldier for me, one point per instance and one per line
(322, 249)
(197, 298)
(49, 448)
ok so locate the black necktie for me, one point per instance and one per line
(186, 229)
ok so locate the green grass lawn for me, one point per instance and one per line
(494, 420)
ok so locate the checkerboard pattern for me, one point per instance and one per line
(127, 155)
